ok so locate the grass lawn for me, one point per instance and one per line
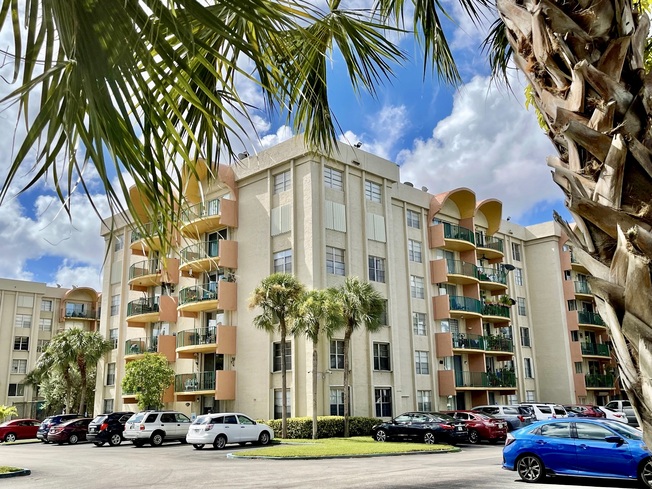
(5, 470)
(343, 447)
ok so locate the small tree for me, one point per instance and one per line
(148, 377)
(7, 412)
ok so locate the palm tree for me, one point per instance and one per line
(361, 305)
(317, 315)
(279, 296)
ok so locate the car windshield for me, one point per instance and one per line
(559, 410)
(99, 419)
(625, 430)
(202, 420)
(442, 416)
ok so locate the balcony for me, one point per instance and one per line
(486, 380)
(582, 288)
(200, 382)
(144, 310)
(461, 306)
(495, 343)
(596, 349)
(147, 239)
(137, 347)
(599, 381)
(468, 341)
(491, 247)
(451, 236)
(207, 256)
(205, 217)
(200, 340)
(461, 272)
(79, 310)
(588, 318)
(496, 312)
(206, 297)
(576, 265)
(146, 273)
(492, 279)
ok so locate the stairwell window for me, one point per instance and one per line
(525, 336)
(278, 403)
(276, 367)
(414, 251)
(383, 402)
(110, 374)
(45, 324)
(518, 276)
(23, 321)
(424, 402)
(333, 178)
(516, 251)
(19, 366)
(16, 390)
(417, 290)
(528, 369)
(335, 261)
(113, 337)
(282, 182)
(381, 356)
(337, 401)
(376, 269)
(421, 362)
(283, 261)
(46, 305)
(21, 343)
(413, 219)
(372, 191)
(521, 306)
(419, 323)
(337, 354)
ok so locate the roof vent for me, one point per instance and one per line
(409, 184)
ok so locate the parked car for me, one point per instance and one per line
(586, 447)
(515, 416)
(221, 429)
(615, 415)
(482, 426)
(624, 406)
(542, 410)
(421, 426)
(584, 411)
(108, 428)
(71, 431)
(50, 421)
(18, 429)
(155, 427)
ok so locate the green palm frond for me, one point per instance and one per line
(497, 48)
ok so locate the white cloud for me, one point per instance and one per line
(69, 274)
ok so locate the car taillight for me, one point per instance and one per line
(208, 427)
(104, 426)
(510, 439)
(490, 424)
(447, 426)
(141, 427)
(521, 418)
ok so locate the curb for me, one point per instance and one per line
(317, 457)
(17, 473)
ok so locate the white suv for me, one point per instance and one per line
(546, 411)
(156, 426)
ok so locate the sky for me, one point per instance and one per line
(478, 136)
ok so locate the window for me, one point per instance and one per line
(25, 301)
(282, 182)
(525, 337)
(335, 217)
(107, 406)
(337, 354)
(413, 219)
(527, 364)
(278, 405)
(414, 251)
(419, 323)
(383, 397)
(334, 261)
(381, 356)
(281, 220)
(423, 401)
(113, 337)
(376, 227)
(372, 191)
(521, 306)
(572, 305)
(277, 356)
(530, 396)
(586, 431)
(45, 324)
(110, 374)
(376, 269)
(16, 390)
(575, 335)
(416, 287)
(518, 276)
(578, 367)
(333, 178)
(283, 261)
(421, 362)
(337, 401)
(19, 366)
(119, 242)
(41, 345)
(556, 430)
(516, 251)
(567, 275)
(383, 315)
(21, 343)
(512, 399)
(115, 305)
(23, 321)
(46, 305)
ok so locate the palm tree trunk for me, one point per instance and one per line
(284, 408)
(314, 389)
(83, 384)
(585, 62)
(68, 380)
(345, 397)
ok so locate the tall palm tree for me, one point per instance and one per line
(317, 315)
(279, 296)
(362, 305)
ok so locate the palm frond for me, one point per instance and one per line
(498, 50)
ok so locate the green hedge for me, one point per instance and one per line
(327, 426)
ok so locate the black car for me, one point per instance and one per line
(50, 421)
(421, 426)
(108, 428)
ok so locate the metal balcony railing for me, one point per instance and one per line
(145, 267)
(472, 341)
(148, 230)
(587, 317)
(498, 343)
(84, 310)
(582, 287)
(490, 242)
(454, 231)
(199, 251)
(599, 380)
(488, 274)
(496, 310)
(137, 346)
(198, 336)
(200, 381)
(461, 303)
(201, 210)
(500, 378)
(459, 267)
(143, 306)
(596, 349)
(198, 293)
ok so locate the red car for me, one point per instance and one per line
(18, 429)
(585, 410)
(482, 426)
(69, 431)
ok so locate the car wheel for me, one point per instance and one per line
(474, 437)
(381, 435)
(157, 439)
(115, 439)
(198, 446)
(98, 443)
(645, 473)
(73, 439)
(530, 468)
(138, 443)
(10, 437)
(264, 439)
(183, 441)
(220, 442)
(429, 438)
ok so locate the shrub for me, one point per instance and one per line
(327, 426)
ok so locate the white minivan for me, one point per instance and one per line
(546, 411)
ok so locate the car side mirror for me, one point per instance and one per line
(614, 439)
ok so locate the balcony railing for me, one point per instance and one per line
(148, 230)
(459, 267)
(587, 317)
(498, 343)
(200, 381)
(79, 310)
(488, 274)
(201, 210)
(137, 346)
(599, 380)
(198, 293)
(496, 310)
(142, 306)
(454, 231)
(145, 267)
(500, 378)
(461, 303)
(595, 349)
(582, 287)
(472, 341)
(193, 337)
(490, 242)
(199, 251)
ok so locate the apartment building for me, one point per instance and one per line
(30, 313)
(460, 322)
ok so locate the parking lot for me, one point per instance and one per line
(174, 465)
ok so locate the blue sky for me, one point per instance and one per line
(479, 136)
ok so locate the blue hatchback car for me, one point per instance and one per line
(581, 447)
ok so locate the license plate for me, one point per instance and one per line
(92, 430)
(459, 428)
